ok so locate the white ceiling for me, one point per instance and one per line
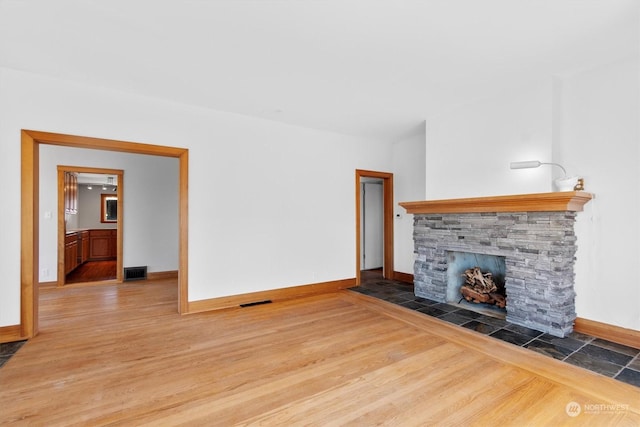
(376, 69)
(97, 179)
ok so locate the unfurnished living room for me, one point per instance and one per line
(241, 212)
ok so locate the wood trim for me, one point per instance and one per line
(162, 275)
(403, 277)
(87, 142)
(29, 231)
(61, 227)
(617, 334)
(119, 228)
(11, 333)
(183, 220)
(53, 284)
(103, 206)
(387, 201)
(539, 202)
(388, 226)
(273, 295)
(29, 235)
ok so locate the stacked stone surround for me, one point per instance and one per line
(539, 250)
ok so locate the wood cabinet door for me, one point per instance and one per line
(67, 258)
(100, 247)
(85, 247)
(74, 193)
(102, 244)
(70, 254)
(114, 244)
(70, 193)
(66, 190)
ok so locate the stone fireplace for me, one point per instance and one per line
(533, 234)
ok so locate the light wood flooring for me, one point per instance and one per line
(121, 355)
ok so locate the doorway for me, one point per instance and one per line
(30, 193)
(379, 252)
(90, 251)
(371, 224)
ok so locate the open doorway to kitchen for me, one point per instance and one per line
(30, 193)
(90, 215)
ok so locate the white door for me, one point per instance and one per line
(371, 245)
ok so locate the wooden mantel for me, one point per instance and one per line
(540, 202)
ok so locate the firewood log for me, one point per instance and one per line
(473, 296)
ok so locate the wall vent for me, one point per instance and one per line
(251, 304)
(135, 273)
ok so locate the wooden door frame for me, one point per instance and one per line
(387, 219)
(61, 216)
(29, 228)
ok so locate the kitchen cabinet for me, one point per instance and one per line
(70, 193)
(70, 252)
(83, 251)
(88, 245)
(113, 249)
(103, 244)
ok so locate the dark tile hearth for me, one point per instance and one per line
(477, 326)
(595, 354)
(8, 349)
(511, 337)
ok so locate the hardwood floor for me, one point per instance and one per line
(122, 355)
(93, 271)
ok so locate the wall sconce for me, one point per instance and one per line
(534, 164)
(566, 183)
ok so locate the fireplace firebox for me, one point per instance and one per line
(477, 282)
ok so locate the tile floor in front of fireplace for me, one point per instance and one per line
(598, 355)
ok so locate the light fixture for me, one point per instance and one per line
(89, 187)
(534, 164)
(566, 183)
(109, 182)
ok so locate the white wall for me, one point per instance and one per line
(469, 149)
(270, 205)
(589, 123)
(600, 140)
(89, 202)
(408, 181)
(150, 220)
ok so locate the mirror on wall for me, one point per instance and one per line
(108, 208)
